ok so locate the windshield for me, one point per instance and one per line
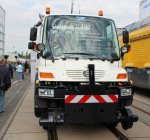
(80, 36)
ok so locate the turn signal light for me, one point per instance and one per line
(46, 75)
(122, 76)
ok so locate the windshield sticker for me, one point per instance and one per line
(81, 18)
(73, 27)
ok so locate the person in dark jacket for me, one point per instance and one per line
(5, 82)
(10, 68)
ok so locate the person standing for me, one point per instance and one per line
(22, 72)
(26, 67)
(19, 70)
(10, 68)
(5, 82)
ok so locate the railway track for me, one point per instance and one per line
(118, 134)
(142, 115)
(141, 105)
(142, 109)
(79, 132)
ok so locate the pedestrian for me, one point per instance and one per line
(10, 68)
(23, 71)
(5, 82)
(19, 70)
(26, 67)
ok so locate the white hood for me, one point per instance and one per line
(77, 70)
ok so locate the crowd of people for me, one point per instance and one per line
(19, 67)
(6, 74)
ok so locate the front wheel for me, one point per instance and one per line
(37, 112)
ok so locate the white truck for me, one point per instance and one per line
(79, 77)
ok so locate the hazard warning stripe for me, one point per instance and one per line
(84, 99)
(114, 98)
(69, 98)
(107, 98)
(91, 98)
(100, 99)
(77, 99)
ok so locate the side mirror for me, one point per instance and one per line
(33, 33)
(31, 45)
(125, 37)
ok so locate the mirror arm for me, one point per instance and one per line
(38, 55)
(38, 24)
(122, 55)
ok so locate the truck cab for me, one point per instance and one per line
(79, 77)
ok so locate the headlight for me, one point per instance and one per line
(41, 47)
(126, 91)
(46, 92)
(124, 49)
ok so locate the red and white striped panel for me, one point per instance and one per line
(91, 99)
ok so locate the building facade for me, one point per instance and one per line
(2, 30)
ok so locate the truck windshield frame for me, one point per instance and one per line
(67, 36)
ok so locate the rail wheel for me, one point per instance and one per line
(113, 124)
(127, 121)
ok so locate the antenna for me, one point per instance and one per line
(72, 4)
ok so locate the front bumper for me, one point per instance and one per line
(86, 103)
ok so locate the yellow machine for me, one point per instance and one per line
(137, 61)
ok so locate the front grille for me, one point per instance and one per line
(78, 74)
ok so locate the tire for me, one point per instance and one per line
(45, 127)
(37, 112)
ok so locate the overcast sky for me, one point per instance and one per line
(23, 14)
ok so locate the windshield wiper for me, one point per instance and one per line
(88, 54)
(102, 58)
(81, 54)
(93, 56)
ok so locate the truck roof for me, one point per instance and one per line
(78, 15)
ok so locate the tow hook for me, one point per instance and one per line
(52, 119)
(126, 117)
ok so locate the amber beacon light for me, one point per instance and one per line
(100, 13)
(48, 10)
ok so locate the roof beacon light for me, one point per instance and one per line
(48, 10)
(100, 13)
